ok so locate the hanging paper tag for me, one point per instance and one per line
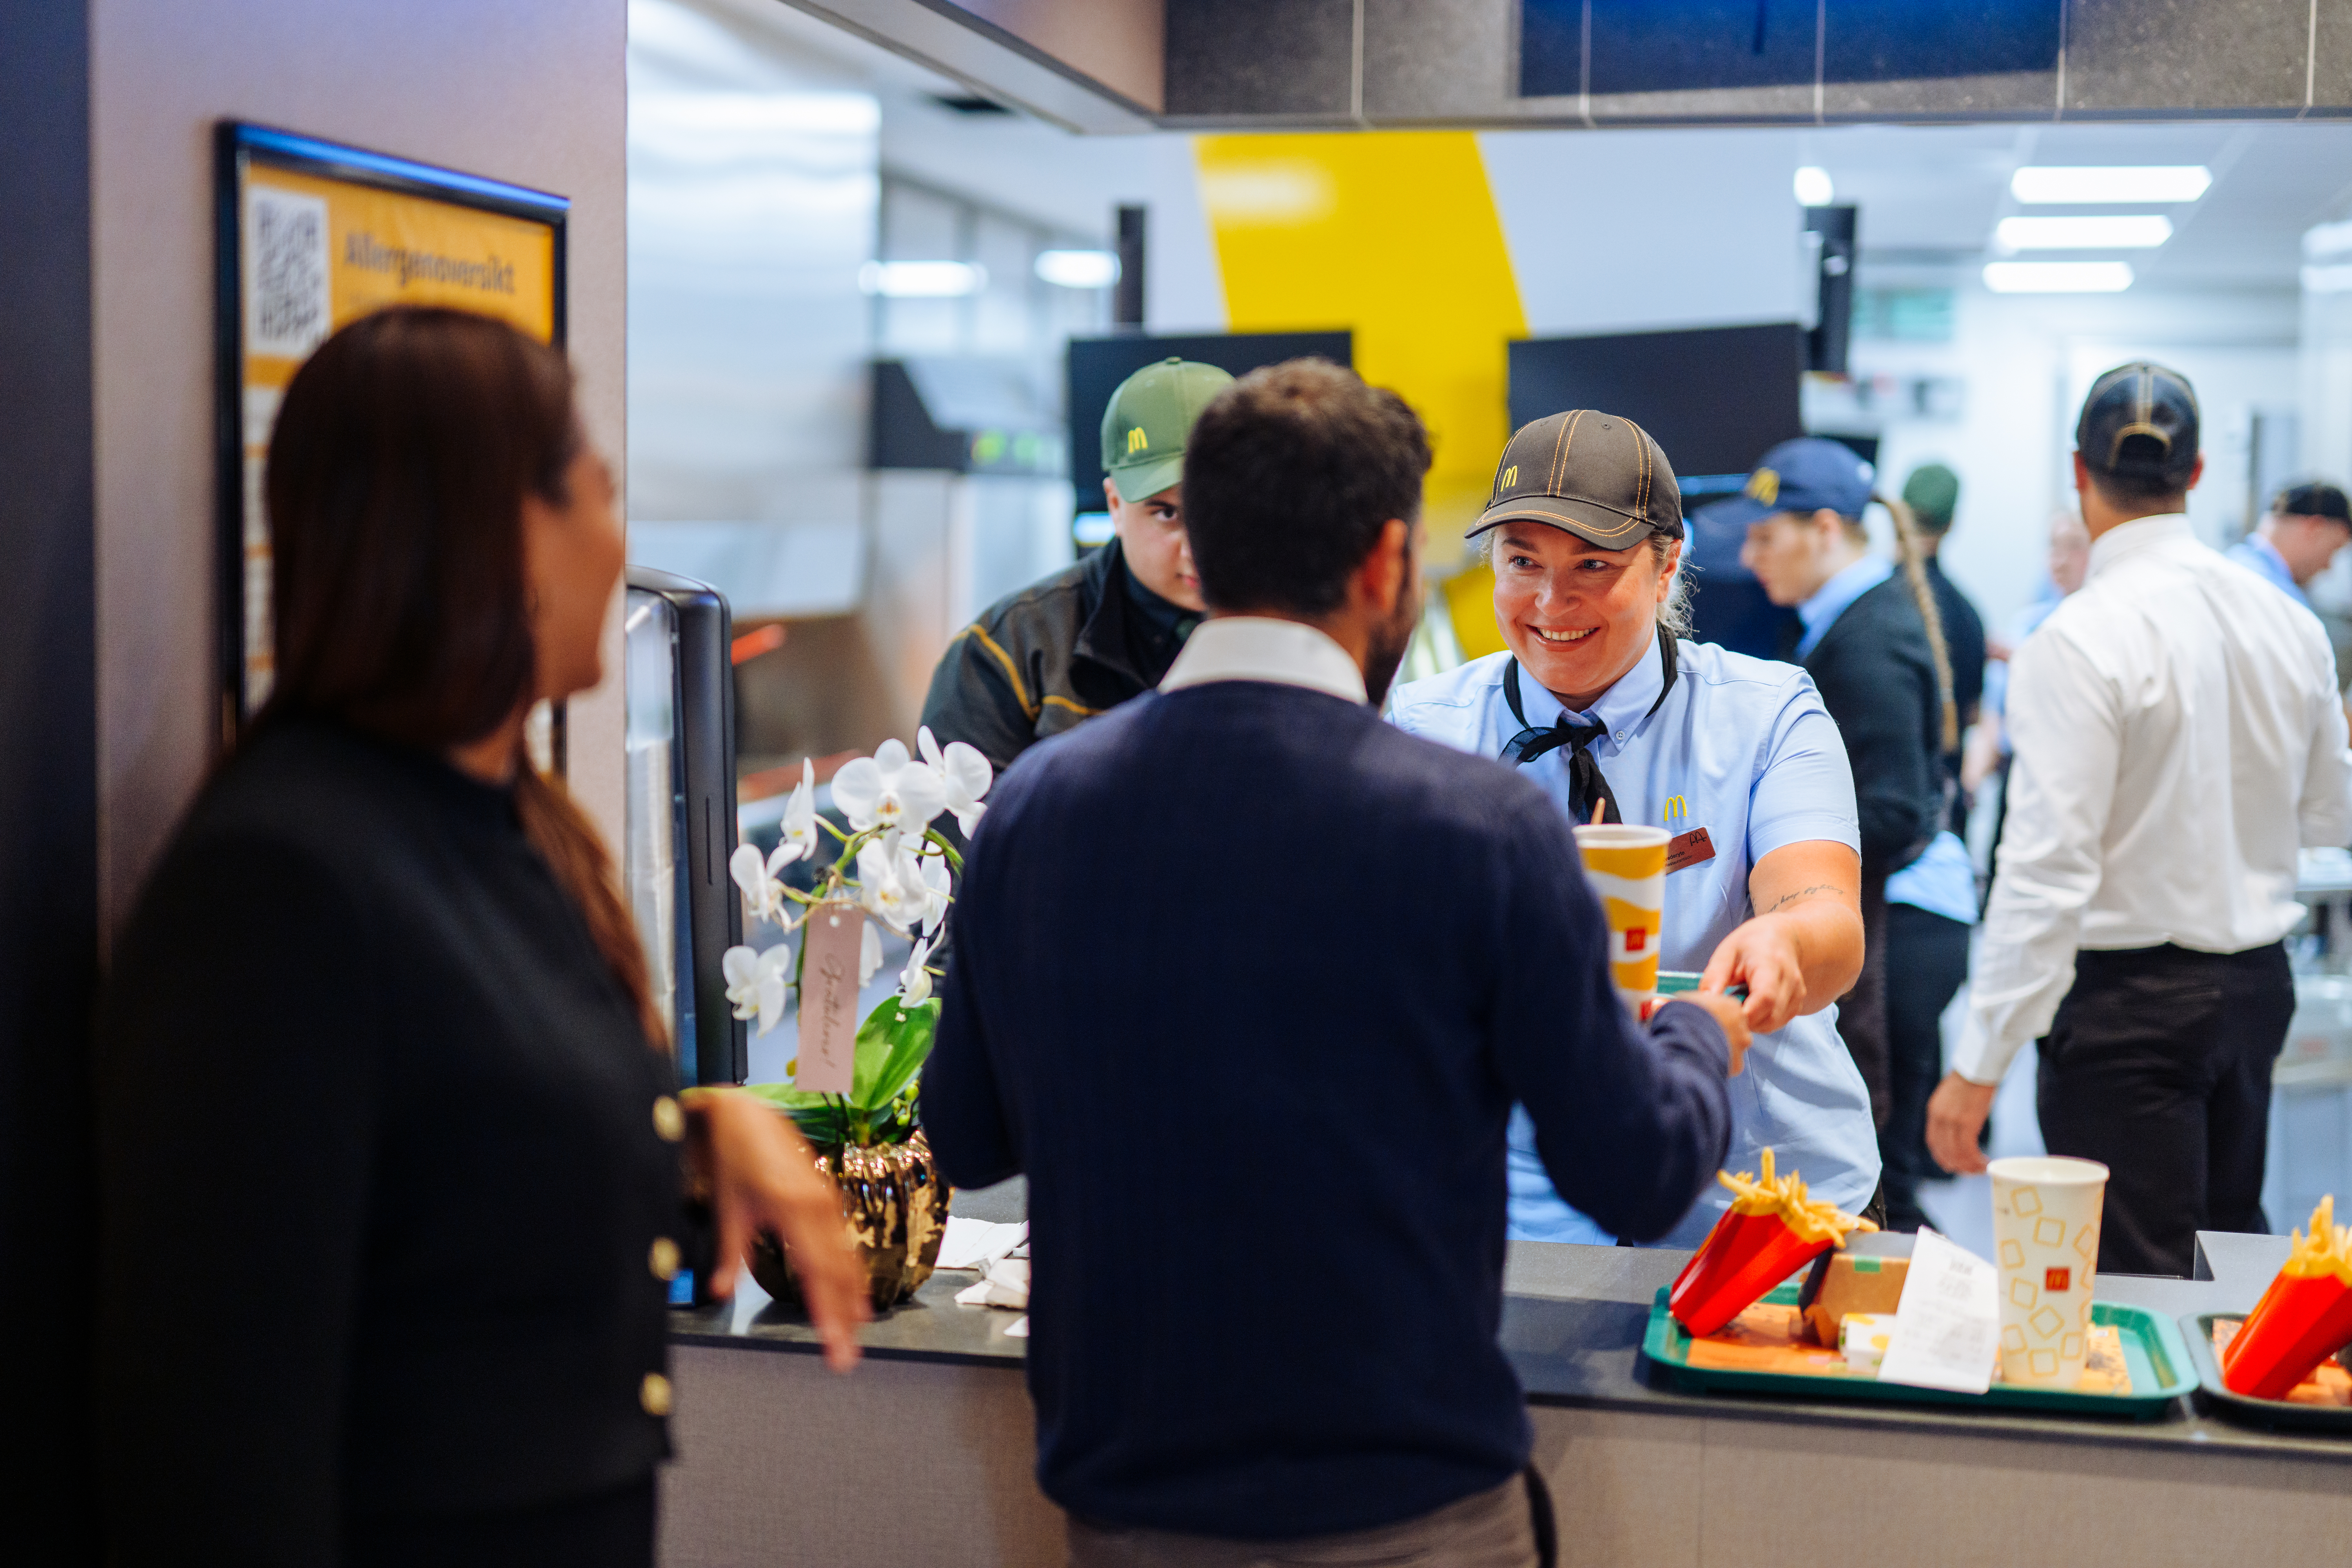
(829, 998)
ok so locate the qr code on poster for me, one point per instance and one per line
(286, 302)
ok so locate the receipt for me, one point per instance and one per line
(1947, 1324)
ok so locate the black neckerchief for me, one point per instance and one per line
(1587, 789)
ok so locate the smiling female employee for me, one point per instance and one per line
(1617, 719)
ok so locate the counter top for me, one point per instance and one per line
(1573, 1318)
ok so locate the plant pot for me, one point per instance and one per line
(896, 1204)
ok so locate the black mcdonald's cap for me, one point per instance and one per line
(2139, 422)
(1598, 475)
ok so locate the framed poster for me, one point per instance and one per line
(310, 234)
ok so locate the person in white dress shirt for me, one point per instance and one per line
(2178, 738)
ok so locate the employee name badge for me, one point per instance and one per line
(1692, 848)
(829, 998)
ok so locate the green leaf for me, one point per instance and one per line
(909, 1031)
(785, 1097)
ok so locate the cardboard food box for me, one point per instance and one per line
(1867, 1275)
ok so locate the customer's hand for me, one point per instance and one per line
(1760, 954)
(1956, 1115)
(764, 1178)
(1732, 1016)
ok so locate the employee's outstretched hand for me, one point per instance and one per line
(1733, 1018)
(1956, 1116)
(764, 1178)
(1802, 947)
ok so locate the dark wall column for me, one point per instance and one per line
(48, 771)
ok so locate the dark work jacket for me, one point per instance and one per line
(1052, 656)
(1153, 1017)
(1963, 639)
(1877, 678)
(380, 1172)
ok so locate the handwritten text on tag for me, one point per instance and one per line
(829, 999)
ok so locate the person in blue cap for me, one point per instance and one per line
(1604, 703)
(1870, 635)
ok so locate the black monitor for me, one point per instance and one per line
(1096, 366)
(1715, 398)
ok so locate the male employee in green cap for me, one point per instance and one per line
(1090, 636)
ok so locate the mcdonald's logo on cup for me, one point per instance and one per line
(1626, 864)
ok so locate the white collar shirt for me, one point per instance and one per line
(2178, 736)
(1743, 748)
(1265, 647)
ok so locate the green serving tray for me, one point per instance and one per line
(2153, 1351)
(2277, 1415)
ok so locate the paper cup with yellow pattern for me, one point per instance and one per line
(2045, 1236)
(1626, 864)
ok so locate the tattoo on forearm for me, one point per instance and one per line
(1803, 893)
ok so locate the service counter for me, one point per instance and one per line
(924, 1456)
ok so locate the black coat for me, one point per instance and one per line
(381, 1171)
(1877, 678)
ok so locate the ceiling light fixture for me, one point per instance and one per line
(1078, 268)
(922, 279)
(2118, 231)
(1814, 188)
(2057, 276)
(2130, 183)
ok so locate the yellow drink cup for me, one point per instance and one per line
(1626, 864)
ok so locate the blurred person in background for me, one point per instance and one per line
(1873, 642)
(2307, 525)
(1368, 1079)
(1729, 607)
(393, 1161)
(1101, 632)
(1604, 702)
(1933, 494)
(1931, 904)
(2178, 737)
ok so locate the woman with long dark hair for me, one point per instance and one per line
(394, 1168)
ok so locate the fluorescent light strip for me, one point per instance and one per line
(1078, 268)
(2119, 231)
(922, 279)
(2057, 276)
(2129, 183)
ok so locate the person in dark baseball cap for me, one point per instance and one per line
(2307, 525)
(2180, 735)
(1604, 702)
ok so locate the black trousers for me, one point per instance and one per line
(1927, 960)
(608, 1529)
(2158, 1066)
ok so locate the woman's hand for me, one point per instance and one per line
(763, 1177)
(1804, 948)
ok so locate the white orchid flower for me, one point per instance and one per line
(799, 834)
(890, 884)
(755, 983)
(757, 878)
(915, 981)
(869, 953)
(965, 776)
(936, 884)
(888, 789)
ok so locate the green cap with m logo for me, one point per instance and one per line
(1150, 415)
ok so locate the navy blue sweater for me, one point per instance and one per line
(1246, 981)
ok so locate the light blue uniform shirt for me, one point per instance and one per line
(1942, 881)
(1743, 748)
(2260, 556)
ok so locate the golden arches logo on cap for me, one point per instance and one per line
(1137, 441)
(1764, 485)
